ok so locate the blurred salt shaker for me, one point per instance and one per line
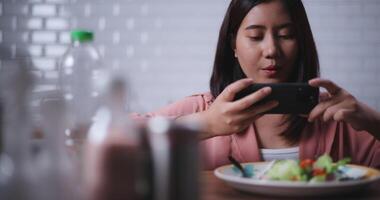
(113, 156)
(175, 159)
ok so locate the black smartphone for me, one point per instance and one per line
(293, 98)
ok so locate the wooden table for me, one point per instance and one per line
(214, 189)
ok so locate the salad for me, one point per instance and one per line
(321, 170)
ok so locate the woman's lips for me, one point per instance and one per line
(270, 70)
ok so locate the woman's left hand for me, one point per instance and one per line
(340, 105)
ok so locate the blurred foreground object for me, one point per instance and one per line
(115, 154)
(175, 159)
(53, 166)
(153, 160)
(82, 82)
(16, 167)
(27, 173)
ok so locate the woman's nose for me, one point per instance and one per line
(270, 49)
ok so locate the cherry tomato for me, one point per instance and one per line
(306, 163)
(318, 172)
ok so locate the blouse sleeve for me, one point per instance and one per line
(186, 106)
(361, 146)
(340, 140)
(365, 148)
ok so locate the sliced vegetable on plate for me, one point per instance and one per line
(307, 177)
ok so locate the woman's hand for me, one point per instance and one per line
(226, 116)
(339, 105)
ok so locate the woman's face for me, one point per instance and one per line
(266, 45)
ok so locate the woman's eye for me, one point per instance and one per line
(256, 38)
(286, 36)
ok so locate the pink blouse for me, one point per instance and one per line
(338, 139)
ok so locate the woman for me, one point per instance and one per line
(270, 41)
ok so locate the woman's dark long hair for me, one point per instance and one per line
(227, 70)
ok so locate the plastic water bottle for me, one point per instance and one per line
(82, 81)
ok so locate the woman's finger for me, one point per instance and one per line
(248, 101)
(343, 115)
(260, 109)
(256, 112)
(331, 111)
(320, 108)
(231, 90)
(249, 119)
(324, 96)
(330, 86)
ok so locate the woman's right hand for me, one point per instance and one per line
(226, 116)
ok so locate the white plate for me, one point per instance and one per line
(288, 188)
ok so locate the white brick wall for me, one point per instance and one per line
(347, 37)
(167, 47)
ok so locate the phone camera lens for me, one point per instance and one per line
(303, 95)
